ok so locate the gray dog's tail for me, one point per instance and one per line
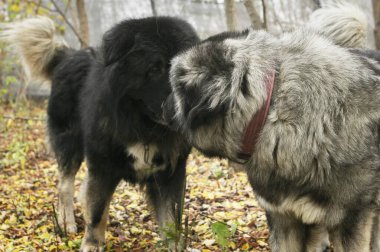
(343, 23)
(37, 44)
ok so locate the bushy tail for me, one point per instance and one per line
(36, 42)
(344, 23)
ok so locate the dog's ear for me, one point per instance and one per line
(116, 45)
(202, 113)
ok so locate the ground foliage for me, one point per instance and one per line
(220, 213)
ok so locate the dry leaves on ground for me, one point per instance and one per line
(28, 177)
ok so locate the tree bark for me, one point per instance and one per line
(265, 23)
(153, 5)
(229, 7)
(376, 15)
(317, 4)
(253, 14)
(83, 23)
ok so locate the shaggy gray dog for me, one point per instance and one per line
(344, 23)
(303, 114)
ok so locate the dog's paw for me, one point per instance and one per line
(91, 248)
(71, 228)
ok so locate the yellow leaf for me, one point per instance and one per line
(30, 10)
(4, 227)
(22, 163)
(245, 246)
(42, 12)
(45, 236)
(9, 123)
(135, 230)
(53, 247)
(12, 219)
(15, 8)
(208, 242)
(232, 245)
(120, 208)
(262, 243)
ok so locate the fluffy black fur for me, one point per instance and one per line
(102, 104)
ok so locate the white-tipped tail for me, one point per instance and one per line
(36, 42)
(342, 22)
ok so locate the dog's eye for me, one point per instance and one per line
(157, 69)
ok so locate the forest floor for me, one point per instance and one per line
(221, 213)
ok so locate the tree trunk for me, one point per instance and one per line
(265, 23)
(376, 15)
(253, 14)
(83, 23)
(229, 7)
(153, 5)
(317, 4)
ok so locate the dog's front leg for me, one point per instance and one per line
(96, 196)
(166, 196)
(375, 237)
(354, 233)
(286, 234)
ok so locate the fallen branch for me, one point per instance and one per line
(24, 118)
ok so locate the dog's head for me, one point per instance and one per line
(217, 86)
(137, 54)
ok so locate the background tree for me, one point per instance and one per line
(230, 10)
(253, 14)
(12, 82)
(83, 23)
(376, 15)
(153, 6)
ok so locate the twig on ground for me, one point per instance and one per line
(24, 118)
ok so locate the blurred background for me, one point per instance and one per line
(83, 22)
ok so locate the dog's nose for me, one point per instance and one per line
(168, 111)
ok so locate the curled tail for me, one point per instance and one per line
(343, 23)
(37, 44)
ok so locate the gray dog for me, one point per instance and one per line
(303, 115)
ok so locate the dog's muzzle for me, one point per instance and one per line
(168, 112)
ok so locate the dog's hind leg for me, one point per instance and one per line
(166, 195)
(68, 150)
(96, 194)
(375, 237)
(66, 217)
(354, 233)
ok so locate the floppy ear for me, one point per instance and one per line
(202, 113)
(117, 44)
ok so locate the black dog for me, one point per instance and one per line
(102, 106)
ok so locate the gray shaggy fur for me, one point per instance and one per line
(344, 23)
(316, 165)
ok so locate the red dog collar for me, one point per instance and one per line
(257, 122)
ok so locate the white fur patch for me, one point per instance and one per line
(303, 208)
(66, 218)
(36, 42)
(143, 159)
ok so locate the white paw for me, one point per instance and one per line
(91, 248)
(71, 228)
